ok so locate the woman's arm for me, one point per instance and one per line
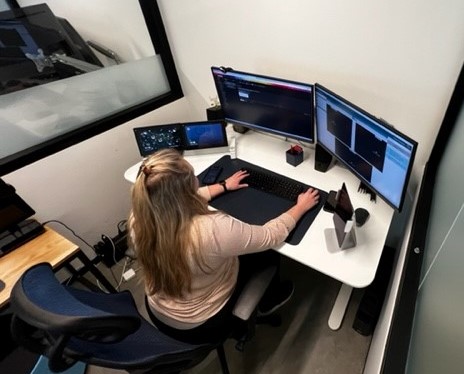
(235, 237)
(230, 184)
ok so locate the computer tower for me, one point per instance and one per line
(373, 298)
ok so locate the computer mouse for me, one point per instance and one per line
(361, 215)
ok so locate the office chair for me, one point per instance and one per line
(67, 325)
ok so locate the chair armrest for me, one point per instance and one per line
(252, 293)
(40, 300)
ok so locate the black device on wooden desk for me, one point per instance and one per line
(20, 234)
(16, 226)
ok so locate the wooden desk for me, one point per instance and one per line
(48, 247)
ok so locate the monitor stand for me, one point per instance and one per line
(332, 242)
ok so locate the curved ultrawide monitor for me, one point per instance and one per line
(273, 105)
(379, 155)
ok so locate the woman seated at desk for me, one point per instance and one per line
(195, 261)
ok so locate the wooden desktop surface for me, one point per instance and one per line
(48, 247)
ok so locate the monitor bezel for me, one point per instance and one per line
(309, 140)
(187, 147)
(380, 122)
(10, 200)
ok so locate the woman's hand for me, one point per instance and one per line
(234, 181)
(308, 199)
(305, 202)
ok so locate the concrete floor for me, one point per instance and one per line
(302, 344)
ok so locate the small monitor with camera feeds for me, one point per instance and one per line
(153, 138)
(189, 137)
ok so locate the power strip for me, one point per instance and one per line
(111, 249)
(128, 274)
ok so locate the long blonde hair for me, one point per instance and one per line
(164, 202)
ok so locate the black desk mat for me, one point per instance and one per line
(257, 207)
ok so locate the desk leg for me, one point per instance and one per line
(340, 306)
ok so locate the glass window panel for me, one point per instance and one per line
(101, 73)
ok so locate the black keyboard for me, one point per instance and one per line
(274, 184)
(24, 231)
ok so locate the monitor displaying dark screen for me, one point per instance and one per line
(13, 209)
(207, 134)
(153, 138)
(379, 155)
(264, 103)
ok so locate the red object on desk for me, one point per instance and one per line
(295, 149)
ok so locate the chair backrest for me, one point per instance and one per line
(67, 325)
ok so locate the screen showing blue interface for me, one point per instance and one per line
(204, 135)
(264, 103)
(181, 136)
(378, 154)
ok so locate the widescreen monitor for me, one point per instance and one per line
(264, 103)
(379, 155)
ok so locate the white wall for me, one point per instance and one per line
(397, 59)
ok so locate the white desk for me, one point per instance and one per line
(354, 267)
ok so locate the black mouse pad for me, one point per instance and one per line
(257, 207)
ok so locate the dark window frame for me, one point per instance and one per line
(158, 36)
(397, 347)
